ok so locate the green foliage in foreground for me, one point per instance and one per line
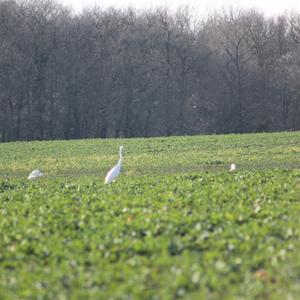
(176, 224)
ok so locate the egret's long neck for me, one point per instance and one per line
(120, 158)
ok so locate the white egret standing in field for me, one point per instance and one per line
(115, 171)
(232, 167)
(35, 174)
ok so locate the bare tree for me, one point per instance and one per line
(110, 72)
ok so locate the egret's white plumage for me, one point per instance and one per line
(35, 174)
(232, 167)
(115, 171)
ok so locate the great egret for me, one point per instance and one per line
(35, 174)
(232, 167)
(115, 171)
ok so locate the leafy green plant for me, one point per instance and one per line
(175, 225)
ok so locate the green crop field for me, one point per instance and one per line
(175, 225)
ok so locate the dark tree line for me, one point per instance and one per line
(123, 73)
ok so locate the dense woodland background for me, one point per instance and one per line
(126, 73)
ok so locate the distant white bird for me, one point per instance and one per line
(115, 171)
(35, 174)
(232, 167)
